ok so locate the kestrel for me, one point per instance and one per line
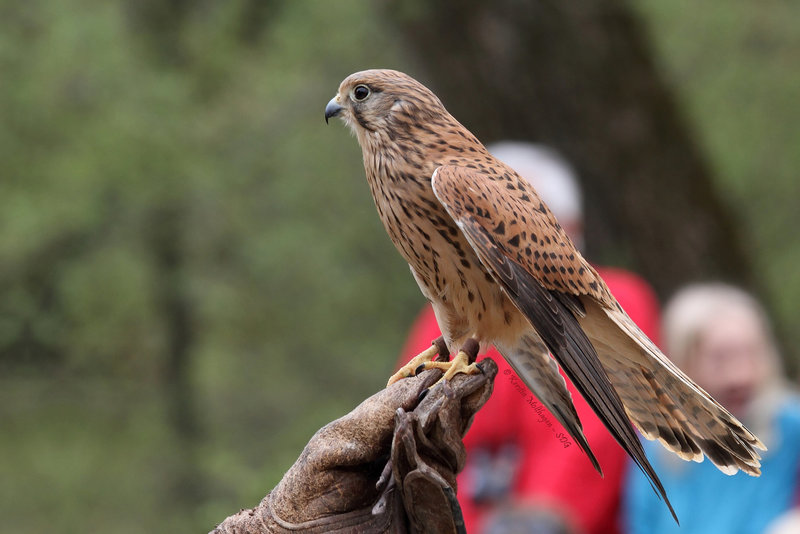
(499, 269)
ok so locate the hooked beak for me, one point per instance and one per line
(332, 109)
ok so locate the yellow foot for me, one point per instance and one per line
(411, 367)
(459, 364)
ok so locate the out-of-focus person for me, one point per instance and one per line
(721, 337)
(788, 523)
(517, 453)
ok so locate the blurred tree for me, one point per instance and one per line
(161, 23)
(580, 76)
(176, 313)
(188, 247)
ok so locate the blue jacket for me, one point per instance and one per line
(710, 502)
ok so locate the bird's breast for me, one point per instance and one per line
(467, 301)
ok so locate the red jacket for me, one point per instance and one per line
(549, 468)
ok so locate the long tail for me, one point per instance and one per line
(532, 362)
(554, 315)
(662, 401)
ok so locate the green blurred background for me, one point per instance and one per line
(193, 278)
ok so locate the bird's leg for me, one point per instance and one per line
(438, 347)
(464, 362)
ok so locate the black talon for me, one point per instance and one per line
(419, 369)
(422, 394)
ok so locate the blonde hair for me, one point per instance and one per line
(689, 312)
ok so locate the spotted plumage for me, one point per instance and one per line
(499, 269)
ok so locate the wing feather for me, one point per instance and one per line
(659, 398)
(531, 360)
(546, 311)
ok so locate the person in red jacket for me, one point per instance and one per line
(523, 470)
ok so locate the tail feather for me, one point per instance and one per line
(531, 360)
(555, 316)
(653, 419)
(662, 401)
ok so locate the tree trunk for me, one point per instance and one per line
(166, 243)
(580, 77)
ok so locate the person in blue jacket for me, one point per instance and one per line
(720, 336)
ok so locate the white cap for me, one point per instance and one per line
(548, 172)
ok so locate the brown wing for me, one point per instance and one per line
(479, 204)
(660, 399)
(523, 227)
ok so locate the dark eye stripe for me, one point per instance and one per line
(360, 119)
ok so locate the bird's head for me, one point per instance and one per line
(382, 100)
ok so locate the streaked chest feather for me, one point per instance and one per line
(466, 298)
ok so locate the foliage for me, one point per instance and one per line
(734, 67)
(123, 146)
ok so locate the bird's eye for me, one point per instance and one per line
(360, 93)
